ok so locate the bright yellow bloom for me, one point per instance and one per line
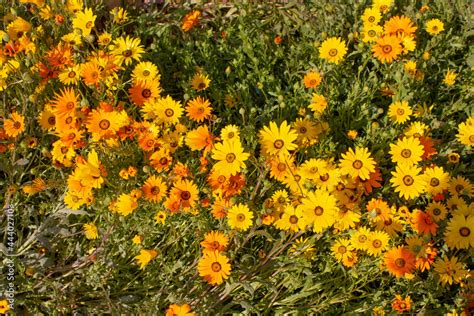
(230, 156)
(333, 49)
(126, 49)
(90, 230)
(214, 267)
(434, 26)
(358, 163)
(84, 21)
(277, 140)
(407, 181)
(239, 217)
(450, 78)
(145, 257)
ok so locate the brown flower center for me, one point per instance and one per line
(281, 166)
(434, 182)
(163, 161)
(52, 120)
(293, 219)
(89, 25)
(155, 190)
(408, 180)
(400, 262)
(169, 112)
(278, 144)
(201, 86)
(387, 49)
(362, 238)
(318, 211)
(406, 153)
(342, 249)
(377, 243)
(464, 231)
(324, 177)
(146, 93)
(185, 195)
(371, 19)
(17, 125)
(127, 53)
(371, 33)
(303, 130)
(459, 188)
(357, 164)
(146, 73)
(400, 111)
(436, 211)
(71, 74)
(216, 267)
(230, 157)
(104, 124)
(240, 217)
(332, 52)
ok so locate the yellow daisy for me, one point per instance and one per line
(357, 163)
(333, 50)
(407, 181)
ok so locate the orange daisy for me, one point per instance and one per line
(400, 261)
(198, 109)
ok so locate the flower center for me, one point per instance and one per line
(185, 195)
(303, 130)
(230, 135)
(342, 249)
(400, 262)
(293, 219)
(169, 112)
(406, 153)
(318, 211)
(145, 73)
(387, 49)
(230, 157)
(324, 177)
(201, 85)
(17, 125)
(52, 120)
(72, 74)
(146, 93)
(464, 231)
(221, 179)
(281, 166)
(216, 267)
(127, 53)
(471, 139)
(400, 111)
(240, 217)
(408, 180)
(371, 33)
(155, 190)
(89, 25)
(332, 52)
(278, 144)
(362, 238)
(434, 182)
(104, 124)
(357, 164)
(459, 188)
(163, 160)
(377, 243)
(436, 211)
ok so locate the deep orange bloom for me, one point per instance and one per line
(401, 305)
(191, 20)
(399, 261)
(423, 223)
